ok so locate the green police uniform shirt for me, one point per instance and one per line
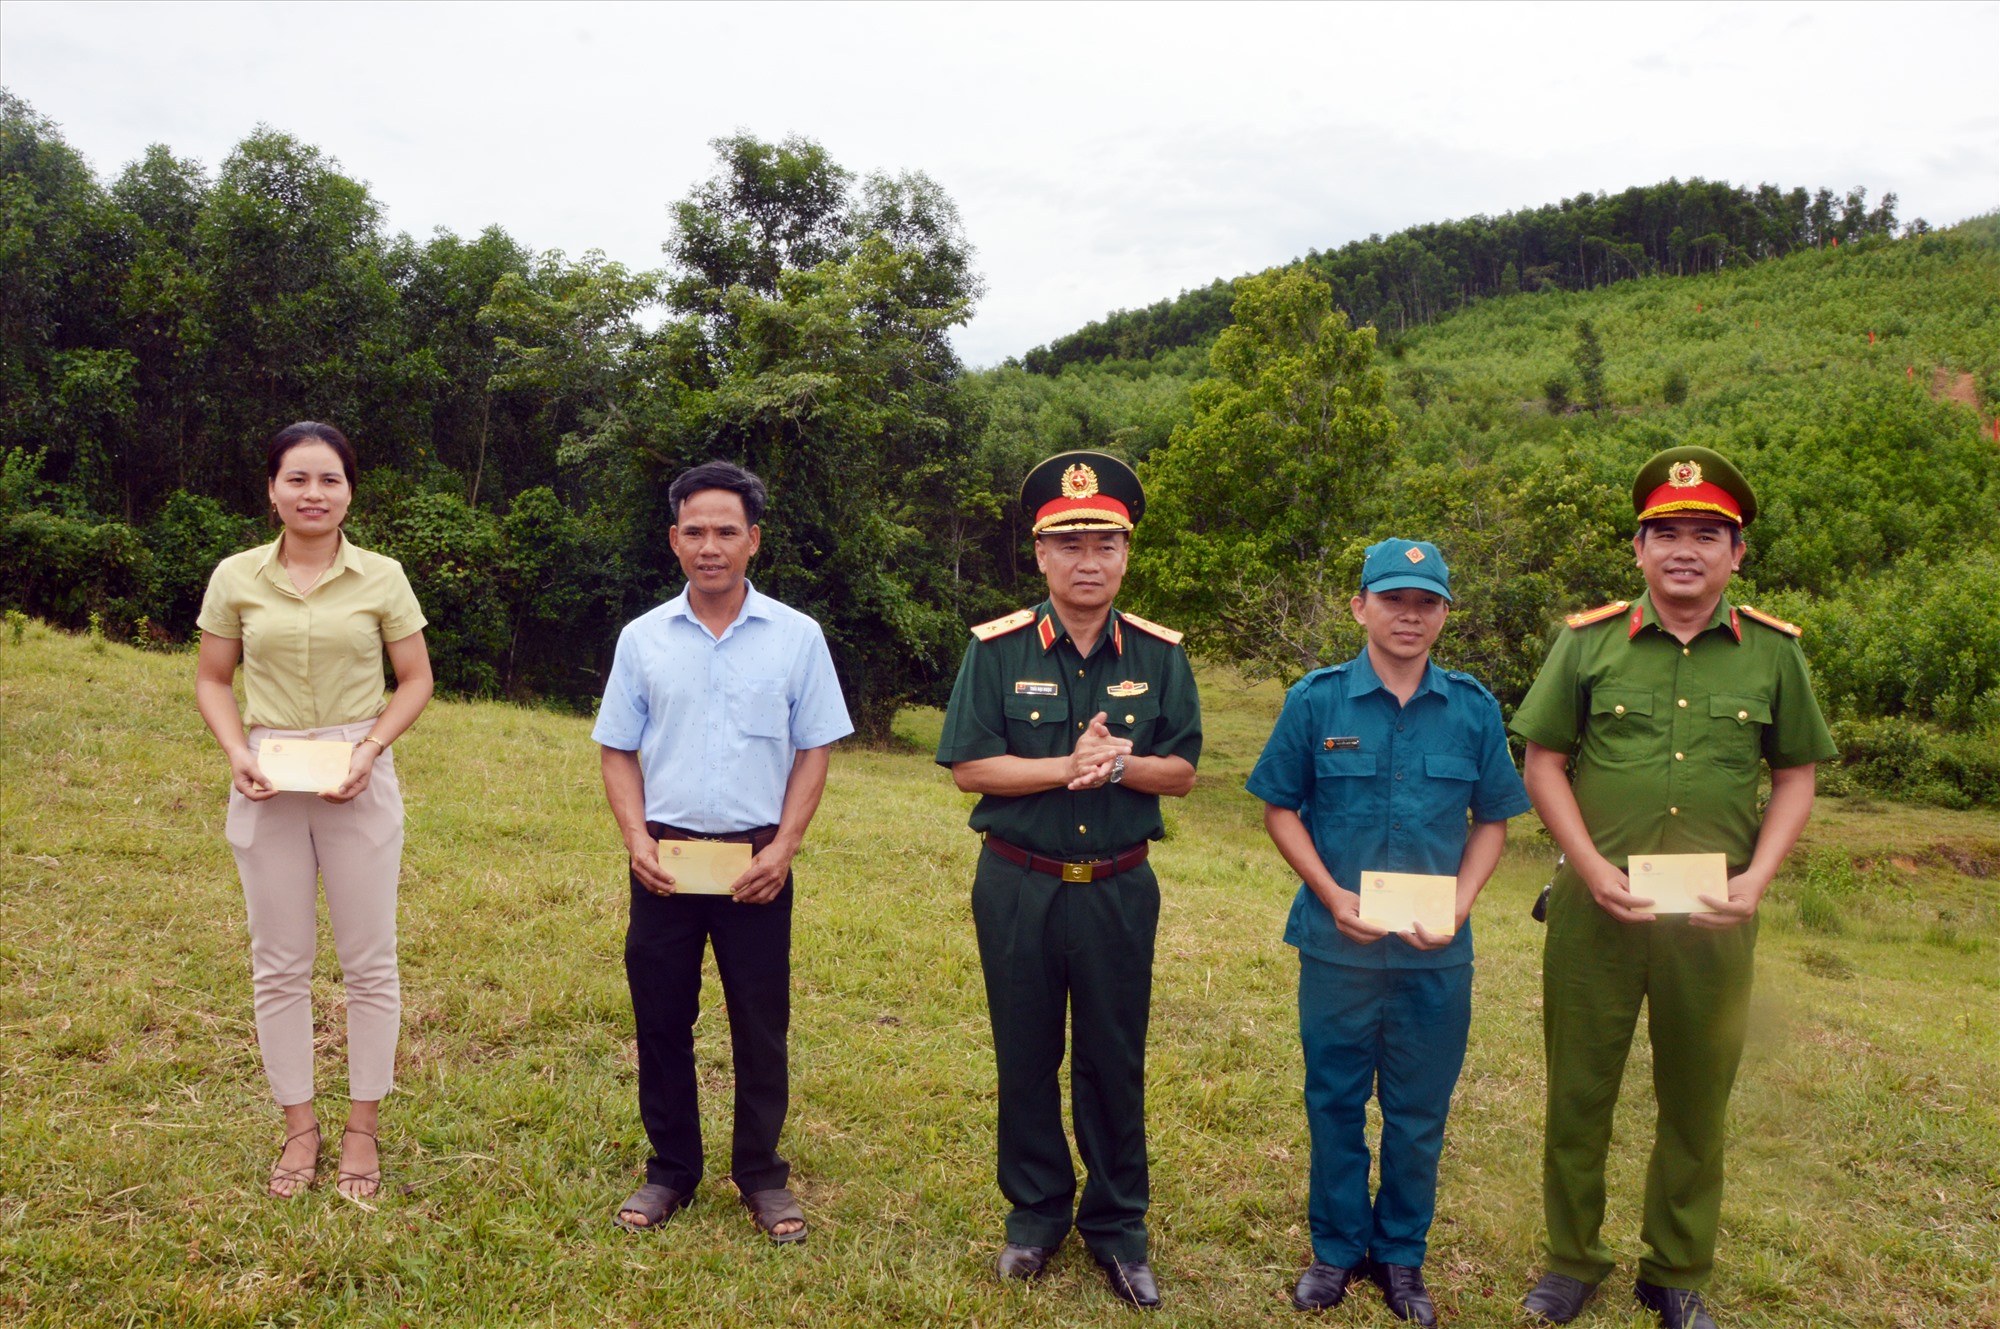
(1667, 739)
(1024, 690)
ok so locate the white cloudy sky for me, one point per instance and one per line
(1103, 156)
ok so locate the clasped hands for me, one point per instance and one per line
(248, 780)
(1612, 889)
(759, 884)
(1096, 751)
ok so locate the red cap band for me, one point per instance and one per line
(1681, 500)
(1103, 509)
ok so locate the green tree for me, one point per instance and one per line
(1588, 357)
(1258, 509)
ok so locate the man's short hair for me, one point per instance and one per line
(1735, 532)
(718, 475)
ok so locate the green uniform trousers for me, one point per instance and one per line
(1052, 949)
(1695, 984)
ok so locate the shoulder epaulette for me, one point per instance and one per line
(1000, 627)
(1599, 614)
(1773, 621)
(1167, 635)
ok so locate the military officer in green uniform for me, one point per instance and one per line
(1070, 720)
(1647, 731)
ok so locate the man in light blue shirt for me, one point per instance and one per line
(1386, 763)
(716, 724)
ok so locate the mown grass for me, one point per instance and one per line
(135, 1130)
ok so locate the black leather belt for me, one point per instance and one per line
(759, 839)
(1095, 869)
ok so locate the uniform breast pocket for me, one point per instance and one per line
(1035, 726)
(1736, 728)
(1618, 717)
(758, 708)
(1448, 782)
(1344, 787)
(1135, 718)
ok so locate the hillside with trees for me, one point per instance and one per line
(518, 413)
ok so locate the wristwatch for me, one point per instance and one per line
(1117, 770)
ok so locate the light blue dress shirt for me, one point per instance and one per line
(716, 721)
(1386, 786)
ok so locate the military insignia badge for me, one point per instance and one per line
(1684, 474)
(1414, 555)
(1127, 689)
(1079, 481)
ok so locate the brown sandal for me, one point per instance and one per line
(301, 1177)
(372, 1180)
(654, 1203)
(772, 1207)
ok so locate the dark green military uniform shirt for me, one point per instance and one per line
(1028, 692)
(1667, 738)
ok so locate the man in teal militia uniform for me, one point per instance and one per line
(1374, 766)
(1662, 710)
(1070, 720)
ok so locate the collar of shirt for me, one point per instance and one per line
(1049, 627)
(1644, 615)
(348, 559)
(755, 605)
(1362, 679)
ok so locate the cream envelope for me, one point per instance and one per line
(1672, 881)
(1400, 900)
(704, 867)
(304, 765)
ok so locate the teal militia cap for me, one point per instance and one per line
(1396, 564)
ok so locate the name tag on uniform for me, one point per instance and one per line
(304, 765)
(1399, 901)
(1341, 744)
(703, 867)
(1026, 689)
(1672, 881)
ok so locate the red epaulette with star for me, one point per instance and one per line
(1167, 635)
(1000, 627)
(1773, 621)
(1599, 614)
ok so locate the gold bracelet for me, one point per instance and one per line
(370, 738)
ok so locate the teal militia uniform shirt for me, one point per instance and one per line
(1667, 742)
(1068, 966)
(1028, 692)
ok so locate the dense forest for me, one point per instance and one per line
(1489, 384)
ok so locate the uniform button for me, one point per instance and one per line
(1079, 724)
(1679, 756)
(1395, 825)
(1034, 715)
(1684, 650)
(1682, 703)
(1618, 710)
(1128, 719)
(1083, 830)
(1399, 729)
(1673, 812)
(1742, 715)
(1399, 775)
(1079, 673)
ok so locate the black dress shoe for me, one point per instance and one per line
(1132, 1280)
(1322, 1286)
(1403, 1288)
(1558, 1298)
(1018, 1261)
(1677, 1307)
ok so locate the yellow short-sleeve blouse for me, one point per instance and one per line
(314, 660)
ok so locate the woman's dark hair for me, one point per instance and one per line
(309, 431)
(718, 475)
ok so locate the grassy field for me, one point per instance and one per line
(135, 1128)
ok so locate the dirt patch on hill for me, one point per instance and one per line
(1973, 858)
(1961, 388)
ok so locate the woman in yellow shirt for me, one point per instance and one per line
(308, 617)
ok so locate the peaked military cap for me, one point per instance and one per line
(1691, 481)
(1082, 491)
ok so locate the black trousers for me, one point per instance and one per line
(753, 950)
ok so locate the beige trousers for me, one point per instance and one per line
(285, 845)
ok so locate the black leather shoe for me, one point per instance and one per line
(1132, 1280)
(1677, 1307)
(1018, 1261)
(1403, 1288)
(1322, 1286)
(1558, 1298)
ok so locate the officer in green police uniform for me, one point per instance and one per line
(1071, 719)
(1647, 730)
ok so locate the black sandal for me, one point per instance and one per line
(301, 1177)
(373, 1180)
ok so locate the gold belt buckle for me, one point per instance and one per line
(1078, 872)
